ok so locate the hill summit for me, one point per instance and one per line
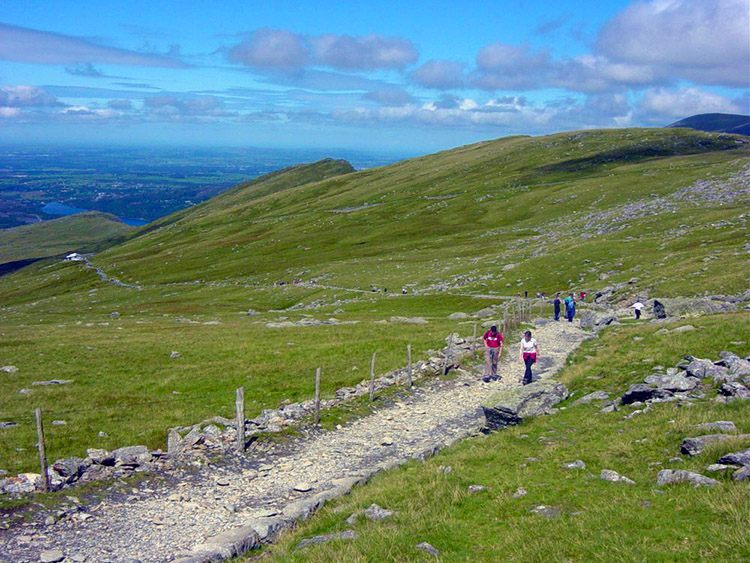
(716, 123)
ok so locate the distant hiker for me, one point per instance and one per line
(528, 354)
(570, 308)
(525, 294)
(556, 303)
(493, 349)
(583, 296)
(638, 306)
(403, 291)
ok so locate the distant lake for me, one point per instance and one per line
(55, 208)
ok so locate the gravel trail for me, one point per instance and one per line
(162, 522)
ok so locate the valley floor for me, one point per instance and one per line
(169, 520)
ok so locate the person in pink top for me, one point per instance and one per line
(493, 349)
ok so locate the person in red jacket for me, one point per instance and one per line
(493, 349)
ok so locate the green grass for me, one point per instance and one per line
(445, 226)
(601, 521)
(83, 232)
(126, 385)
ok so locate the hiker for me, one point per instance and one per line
(525, 294)
(583, 296)
(570, 308)
(493, 349)
(528, 354)
(556, 303)
(638, 306)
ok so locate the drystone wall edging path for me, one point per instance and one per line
(224, 509)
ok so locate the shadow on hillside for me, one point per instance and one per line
(632, 154)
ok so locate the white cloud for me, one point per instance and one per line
(26, 96)
(662, 106)
(705, 41)
(275, 49)
(7, 112)
(439, 75)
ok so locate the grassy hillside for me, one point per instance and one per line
(631, 203)
(598, 520)
(570, 211)
(82, 232)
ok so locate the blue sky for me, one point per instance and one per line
(383, 76)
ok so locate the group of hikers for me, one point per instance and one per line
(570, 305)
(528, 353)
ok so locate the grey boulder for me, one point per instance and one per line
(510, 407)
(615, 477)
(742, 474)
(736, 458)
(694, 446)
(325, 538)
(641, 392)
(671, 476)
(734, 389)
(720, 425)
(673, 382)
(595, 396)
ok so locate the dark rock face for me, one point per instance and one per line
(641, 392)
(659, 311)
(736, 458)
(70, 469)
(694, 446)
(511, 406)
(734, 389)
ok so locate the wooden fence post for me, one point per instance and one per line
(42, 448)
(408, 369)
(372, 378)
(239, 409)
(316, 420)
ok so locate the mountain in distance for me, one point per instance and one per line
(716, 123)
(82, 232)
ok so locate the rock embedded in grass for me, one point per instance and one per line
(595, 396)
(9, 369)
(671, 476)
(736, 458)
(614, 477)
(742, 474)
(325, 538)
(547, 511)
(694, 446)
(424, 546)
(721, 425)
(577, 464)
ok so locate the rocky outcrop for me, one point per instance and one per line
(510, 407)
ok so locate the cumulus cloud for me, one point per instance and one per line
(44, 47)
(26, 96)
(439, 75)
(703, 41)
(512, 67)
(661, 106)
(367, 52)
(285, 51)
(87, 112)
(274, 49)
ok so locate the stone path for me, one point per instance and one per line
(266, 491)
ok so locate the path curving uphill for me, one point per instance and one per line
(177, 521)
